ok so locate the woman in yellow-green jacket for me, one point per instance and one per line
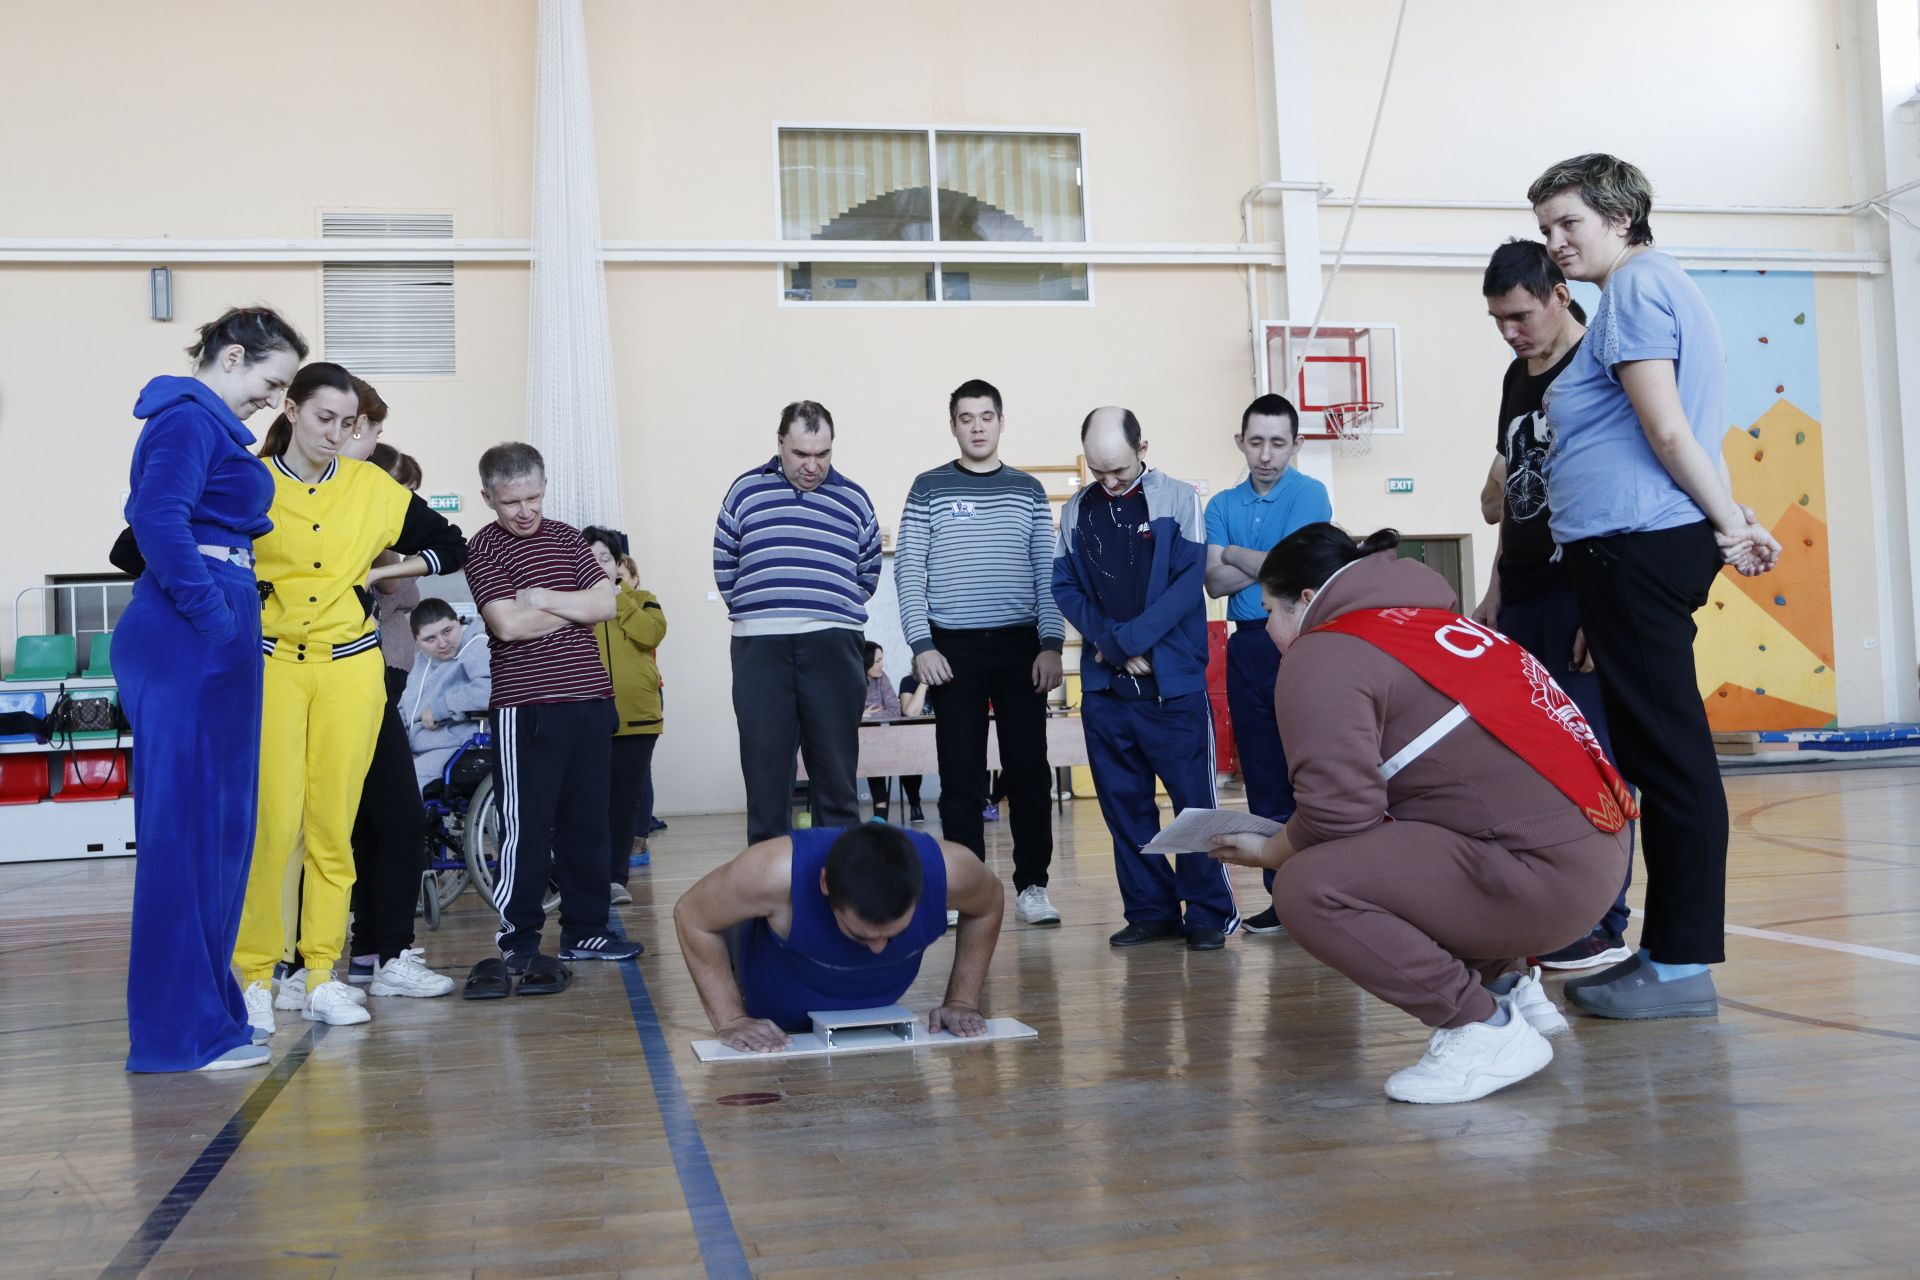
(627, 644)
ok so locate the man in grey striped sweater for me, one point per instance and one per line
(973, 567)
(796, 555)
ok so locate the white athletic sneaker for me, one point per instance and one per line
(259, 1011)
(619, 894)
(1034, 907)
(407, 975)
(290, 993)
(1531, 1001)
(333, 1003)
(1464, 1063)
(953, 917)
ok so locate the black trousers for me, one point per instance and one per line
(552, 770)
(799, 693)
(630, 802)
(994, 668)
(881, 791)
(389, 845)
(1637, 594)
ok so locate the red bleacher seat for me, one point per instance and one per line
(23, 779)
(93, 775)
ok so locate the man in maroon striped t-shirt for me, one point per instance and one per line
(541, 592)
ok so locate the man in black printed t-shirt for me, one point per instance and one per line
(1529, 597)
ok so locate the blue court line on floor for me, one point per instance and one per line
(178, 1202)
(713, 1229)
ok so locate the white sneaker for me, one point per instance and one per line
(1034, 907)
(1464, 1063)
(290, 993)
(953, 918)
(332, 1002)
(259, 1010)
(407, 975)
(1531, 1001)
(619, 894)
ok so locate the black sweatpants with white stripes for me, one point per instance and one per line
(552, 770)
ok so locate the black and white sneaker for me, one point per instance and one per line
(1267, 921)
(602, 946)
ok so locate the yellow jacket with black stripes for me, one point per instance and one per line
(313, 565)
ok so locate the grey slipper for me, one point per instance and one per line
(1605, 976)
(1641, 993)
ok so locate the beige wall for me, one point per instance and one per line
(428, 105)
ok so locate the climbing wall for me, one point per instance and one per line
(1765, 652)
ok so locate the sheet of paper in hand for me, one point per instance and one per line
(865, 1031)
(1194, 829)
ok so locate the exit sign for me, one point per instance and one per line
(1400, 484)
(451, 501)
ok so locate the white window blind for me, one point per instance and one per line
(388, 317)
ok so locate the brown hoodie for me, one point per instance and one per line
(1345, 706)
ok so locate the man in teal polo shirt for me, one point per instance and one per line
(1243, 524)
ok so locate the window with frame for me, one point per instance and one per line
(933, 184)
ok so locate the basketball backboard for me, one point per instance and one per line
(1347, 363)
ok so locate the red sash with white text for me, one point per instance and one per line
(1509, 693)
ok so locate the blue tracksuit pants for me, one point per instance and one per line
(1253, 666)
(195, 711)
(1128, 745)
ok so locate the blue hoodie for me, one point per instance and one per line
(193, 484)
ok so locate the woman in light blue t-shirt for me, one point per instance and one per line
(1644, 517)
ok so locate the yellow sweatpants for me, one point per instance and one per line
(318, 723)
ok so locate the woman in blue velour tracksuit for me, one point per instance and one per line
(187, 654)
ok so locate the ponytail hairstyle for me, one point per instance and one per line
(1307, 557)
(372, 407)
(310, 379)
(259, 331)
(403, 467)
(867, 649)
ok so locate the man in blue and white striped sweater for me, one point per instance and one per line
(796, 555)
(973, 567)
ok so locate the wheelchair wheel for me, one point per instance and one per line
(483, 846)
(430, 899)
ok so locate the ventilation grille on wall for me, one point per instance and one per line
(388, 317)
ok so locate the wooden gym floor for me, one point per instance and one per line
(1194, 1116)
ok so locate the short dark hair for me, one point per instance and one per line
(259, 331)
(1307, 557)
(403, 467)
(612, 539)
(1271, 406)
(1526, 264)
(1129, 425)
(874, 872)
(510, 461)
(972, 389)
(810, 414)
(1608, 185)
(429, 611)
(311, 378)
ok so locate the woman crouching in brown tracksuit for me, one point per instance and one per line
(1440, 836)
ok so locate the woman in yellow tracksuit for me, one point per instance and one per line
(324, 685)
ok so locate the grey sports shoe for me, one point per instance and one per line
(1639, 993)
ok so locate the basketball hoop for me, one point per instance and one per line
(1352, 426)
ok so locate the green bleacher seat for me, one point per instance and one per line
(43, 658)
(100, 657)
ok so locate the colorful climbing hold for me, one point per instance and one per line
(1780, 389)
(1761, 692)
(1801, 318)
(1763, 338)
(1799, 437)
(1819, 669)
(1779, 599)
(1763, 648)
(1754, 432)
(1759, 454)
(1807, 541)
(1804, 499)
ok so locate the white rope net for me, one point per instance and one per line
(572, 416)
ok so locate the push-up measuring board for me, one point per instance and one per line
(865, 1031)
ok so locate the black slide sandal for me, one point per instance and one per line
(488, 980)
(545, 976)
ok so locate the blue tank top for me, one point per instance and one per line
(818, 967)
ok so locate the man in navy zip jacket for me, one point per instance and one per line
(1128, 572)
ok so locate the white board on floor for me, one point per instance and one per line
(809, 1045)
